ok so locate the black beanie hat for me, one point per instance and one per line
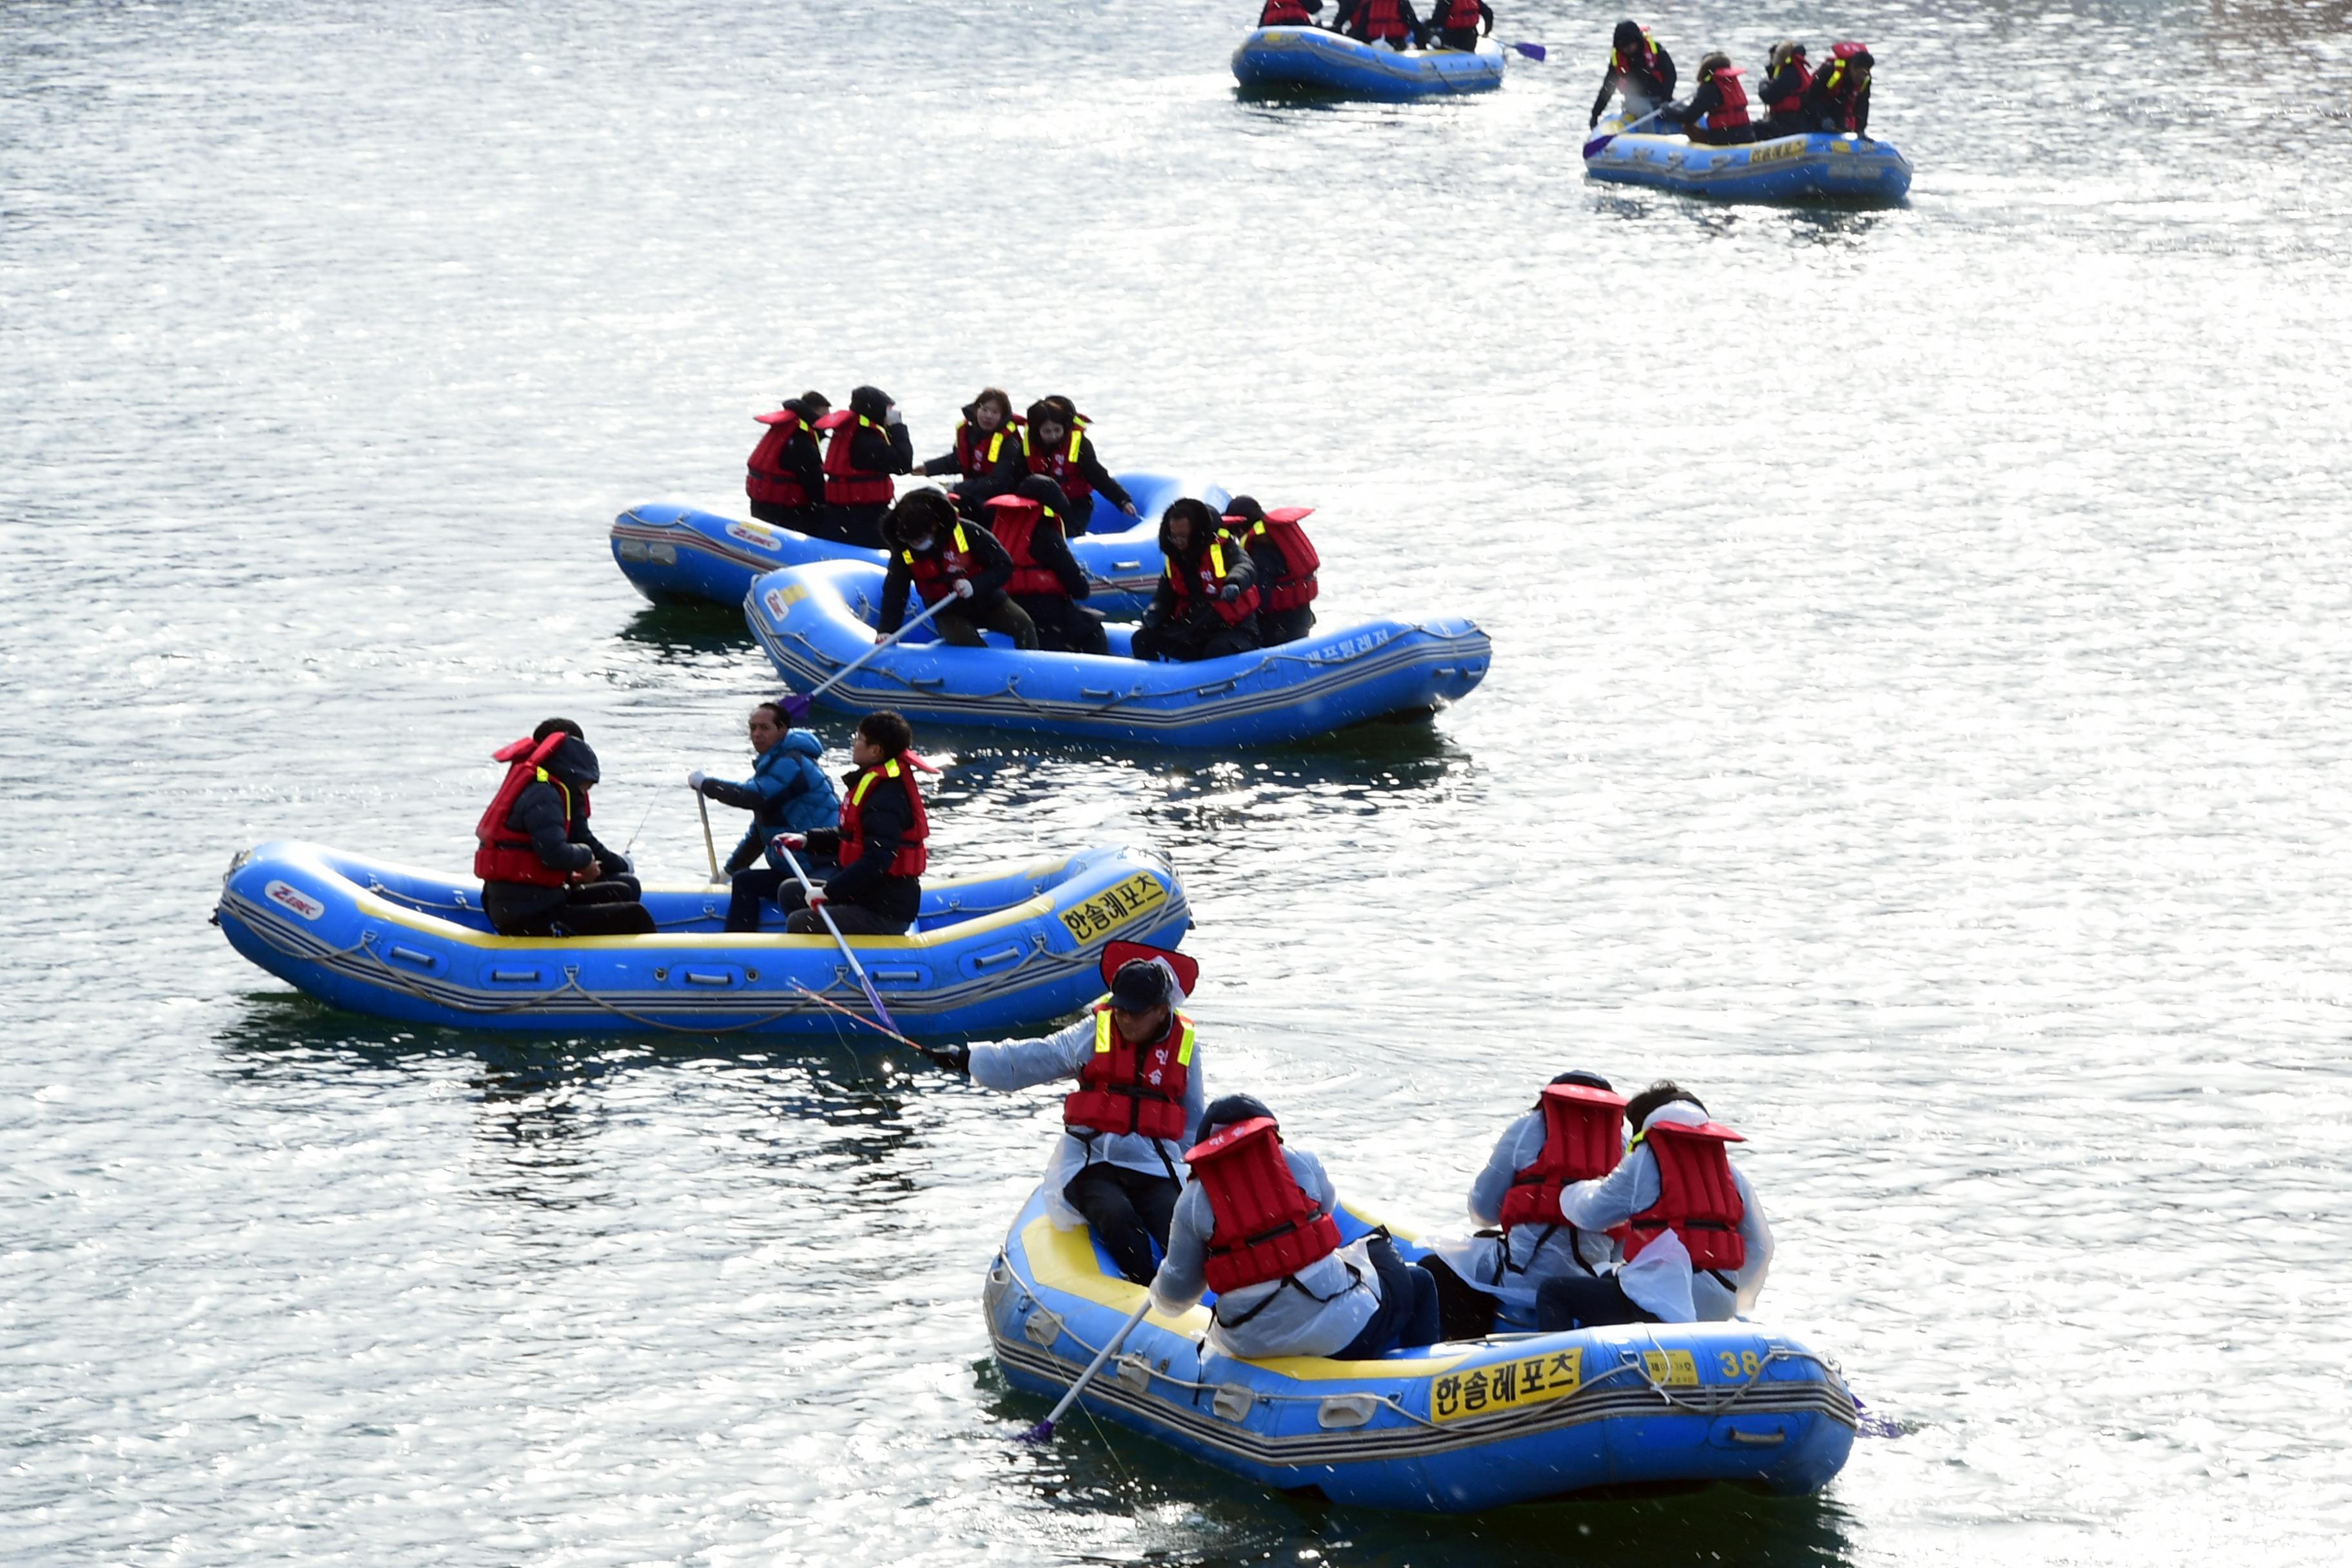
(1232, 1110)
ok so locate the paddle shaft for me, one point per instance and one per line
(709, 848)
(838, 676)
(873, 996)
(1603, 140)
(1046, 1428)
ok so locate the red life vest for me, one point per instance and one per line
(935, 571)
(1016, 520)
(1454, 15)
(1125, 1087)
(1212, 572)
(1584, 1135)
(977, 449)
(1644, 69)
(1843, 95)
(1061, 464)
(845, 484)
(1794, 98)
(911, 857)
(1285, 14)
(503, 853)
(1378, 22)
(1266, 1226)
(765, 478)
(1697, 1199)
(1733, 111)
(1297, 586)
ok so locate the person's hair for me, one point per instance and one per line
(1232, 1110)
(1860, 60)
(1716, 61)
(887, 728)
(549, 726)
(1198, 514)
(1044, 411)
(1246, 508)
(1783, 52)
(814, 404)
(917, 509)
(996, 394)
(1663, 1092)
(1627, 35)
(774, 711)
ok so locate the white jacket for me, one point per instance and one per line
(1660, 1281)
(1315, 1312)
(1511, 1269)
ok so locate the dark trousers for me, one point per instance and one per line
(1582, 1303)
(1465, 40)
(1283, 625)
(1128, 1211)
(1407, 1318)
(858, 525)
(1464, 1311)
(609, 908)
(750, 888)
(799, 519)
(1186, 641)
(850, 919)
(962, 626)
(1063, 625)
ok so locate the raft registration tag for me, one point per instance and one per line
(1107, 912)
(778, 600)
(1670, 1369)
(753, 533)
(1515, 1385)
(1777, 151)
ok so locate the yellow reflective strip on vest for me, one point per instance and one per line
(1076, 436)
(908, 555)
(963, 547)
(858, 795)
(891, 767)
(1185, 1051)
(1102, 1032)
(1217, 557)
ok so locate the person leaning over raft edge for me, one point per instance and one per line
(941, 556)
(788, 792)
(543, 872)
(1838, 100)
(1716, 113)
(1206, 603)
(1137, 1103)
(880, 846)
(1255, 1226)
(1639, 71)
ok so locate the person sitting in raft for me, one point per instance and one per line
(1284, 560)
(988, 430)
(1255, 1226)
(1838, 100)
(543, 872)
(868, 444)
(784, 476)
(1206, 603)
(1389, 22)
(1715, 115)
(788, 792)
(1047, 582)
(1786, 77)
(941, 556)
(1575, 1132)
(1640, 72)
(1056, 444)
(879, 846)
(1134, 1112)
(1458, 23)
(1289, 13)
(1697, 1246)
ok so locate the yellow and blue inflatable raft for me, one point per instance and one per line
(1853, 170)
(1448, 1428)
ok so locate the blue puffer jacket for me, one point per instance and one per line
(788, 792)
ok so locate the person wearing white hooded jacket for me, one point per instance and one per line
(1117, 1163)
(1658, 1284)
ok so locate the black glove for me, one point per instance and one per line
(737, 864)
(1230, 592)
(955, 1059)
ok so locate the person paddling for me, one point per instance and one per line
(1257, 1226)
(939, 555)
(1389, 22)
(881, 845)
(1116, 1166)
(1459, 22)
(543, 872)
(1640, 72)
(784, 476)
(1716, 113)
(788, 792)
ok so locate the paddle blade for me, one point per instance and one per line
(1041, 1433)
(1533, 51)
(1592, 148)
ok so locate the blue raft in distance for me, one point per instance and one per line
(674, 552)
(1813, 167)
(813, 620)
(989, 956)
(1448, 1428)
(1314, 60)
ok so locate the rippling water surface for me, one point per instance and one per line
(1918, 721)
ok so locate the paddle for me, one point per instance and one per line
(873, 996)
(1043, 1431)
(843, 673)
(1533, 51)
(1606, 137)
(709, 848)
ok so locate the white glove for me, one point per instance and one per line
(963, 588)
(694, 781)
(890, 416)
(789, 841)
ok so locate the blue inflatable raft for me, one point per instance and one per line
(674, 552)
(1815, 167)
(1275, 60)
(1449, 1428)
(813, 620)
(989, 956)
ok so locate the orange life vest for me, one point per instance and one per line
(765, 478)
(1296, 588)
(502, 852)
(1733, 111)
(1015, 520)
(1697, 1199)
(911, 857)
(1584, 1134)
(935, 571)
(1266, 1227)
(1210, 568)
(1125, 1087)
(845, 484)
